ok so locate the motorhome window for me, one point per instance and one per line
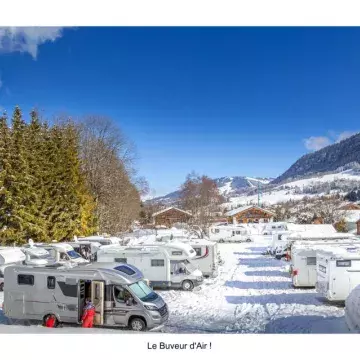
(25, 279)
(343, 263)
(177, 252)
(125, 269)
(311, 261)
(279, 237)
(322, 268)
(1, 273)
(51, 282)
(156, 262)
(233, 233)
(120, 260)
(119, 293)
(198, 251)
(73, 254)
(217, 231)
(238, 232)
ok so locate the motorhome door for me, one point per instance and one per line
(81, 298)
(97, 298)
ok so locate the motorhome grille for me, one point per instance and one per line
(163, 310)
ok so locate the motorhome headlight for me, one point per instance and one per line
(151, 307)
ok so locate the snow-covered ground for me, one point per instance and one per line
(252, 294)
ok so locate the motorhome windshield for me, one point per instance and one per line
(73, 254)
(189, 266)
(142, 291)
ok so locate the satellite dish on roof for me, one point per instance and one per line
(31, 242)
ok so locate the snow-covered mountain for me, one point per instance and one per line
(228, 186)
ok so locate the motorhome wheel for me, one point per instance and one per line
(248, 240)
(221, 240)
(137, 324)
(56, 324)
(187, 285)
(2, 287)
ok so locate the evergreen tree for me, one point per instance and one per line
(5, 205)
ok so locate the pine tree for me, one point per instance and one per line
(21, 223)
(5, 205)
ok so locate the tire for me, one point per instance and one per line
(137, 324)
(221, 241)
(248, 240)
(265, 233)
(2, 287)
(187, 285)
(56, 321)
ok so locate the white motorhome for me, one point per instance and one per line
(274, 227)
(166, 265)
(338, 272)
(120, 295)
(229, 233)
(9, 256)
(352, 310)
(37, 256)
(61, 252)
(287, 240)
(207, 257)
(101, 239)
(303, 260)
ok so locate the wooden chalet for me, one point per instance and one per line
(249, 214)
(170, 216)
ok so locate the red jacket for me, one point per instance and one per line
(88, 313)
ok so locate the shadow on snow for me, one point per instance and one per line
(259, 285)
(297, 298)
(248, 253)
(260, 262)
(257, 249)
(309, 324)
(274, 273)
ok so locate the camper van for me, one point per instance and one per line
(338, 272)
(61, 252)
(9, 256)
(303, 260)
(229, 233)
(207, 258)
(101, 239)
(165, 266)
(118, 292)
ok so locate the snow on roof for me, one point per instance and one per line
(244, 208)
(315, 235)
(320, 229)
(171, 208)
(352, 215)
(345, 252)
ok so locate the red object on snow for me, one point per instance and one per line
(50, 322)
(295, 272)
(88, 318)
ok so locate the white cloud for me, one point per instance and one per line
(345, 134)
(315, 143)
(27, 39)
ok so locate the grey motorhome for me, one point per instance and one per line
(120, 296)
(165, 266)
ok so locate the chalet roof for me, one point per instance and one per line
(244, 208)
(170, 208)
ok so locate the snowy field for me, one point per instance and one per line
(252, 294)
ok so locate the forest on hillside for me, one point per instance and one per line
(65, 177)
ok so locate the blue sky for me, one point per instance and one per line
(220, 101)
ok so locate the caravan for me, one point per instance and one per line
(338, 272)
(229, 233)
(9, 256)
(34, 293)
(303, 260)
(165, 266)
